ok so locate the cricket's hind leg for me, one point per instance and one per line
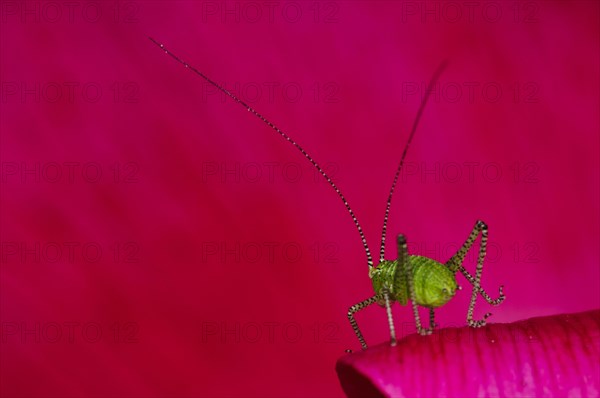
(455, 263)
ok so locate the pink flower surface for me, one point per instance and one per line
(158, 240)
(554, 356)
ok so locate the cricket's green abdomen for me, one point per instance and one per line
(434, 283)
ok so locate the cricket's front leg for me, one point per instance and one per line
(455, 263)
(354, 309)
(407, 272)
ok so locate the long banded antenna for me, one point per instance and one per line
(432, 83)
(286, 137)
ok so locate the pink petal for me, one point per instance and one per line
(547, 356)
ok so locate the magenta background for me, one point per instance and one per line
(170, 211)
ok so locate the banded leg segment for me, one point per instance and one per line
(455, 263)
(407, 272)
(483, 293)
(432, 324)
(354, 309)
(388, 308)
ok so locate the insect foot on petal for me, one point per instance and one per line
(476, 324)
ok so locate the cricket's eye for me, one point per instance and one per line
(445, 291)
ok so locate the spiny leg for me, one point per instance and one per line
(354, 309)
(388, 308)
(480, 227)
(456, 263)
(407, 272)
(432, 324)
(483, 293)
(477, 284)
